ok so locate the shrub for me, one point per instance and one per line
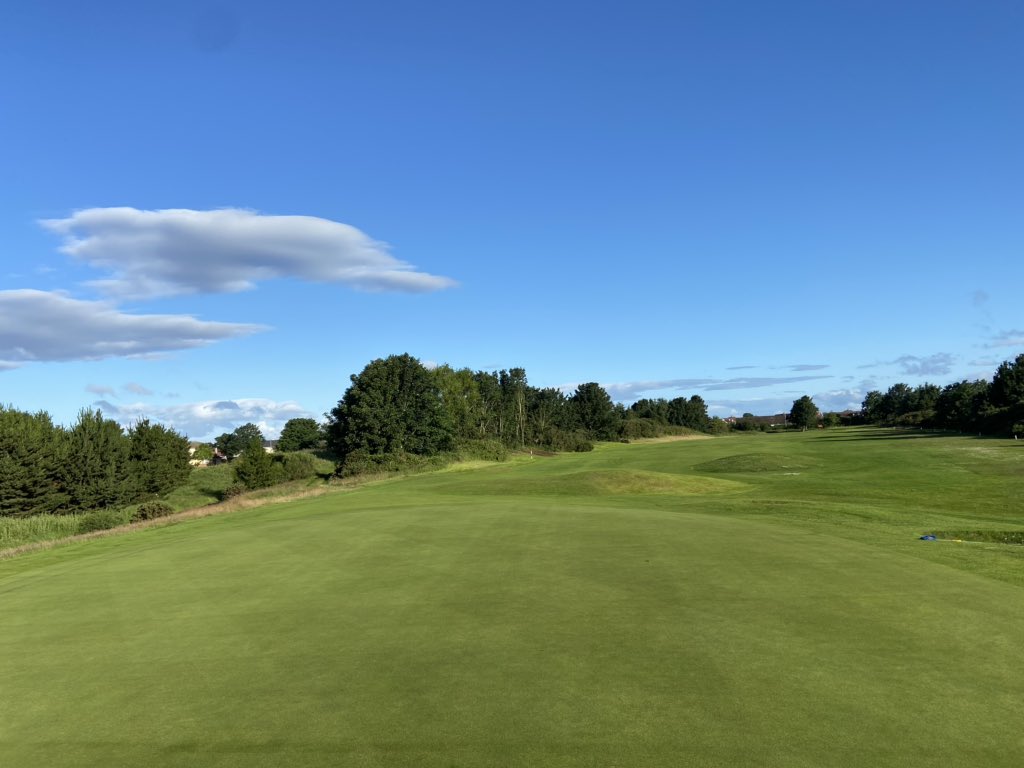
(294, 466)
(486, 450)
(151, 510)
(235, 489)
(101, 520)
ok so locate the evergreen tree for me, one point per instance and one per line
(254, 468)
(97, 467)
(159, 459)
(595, 412)
(30, 464)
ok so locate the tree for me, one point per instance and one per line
(203, 452)
(1007, 387)
(804, 413)
(299, 434)
(392, 407)
(595, 411)
(692, 413)
(872, 407)
(254, 468)
(31, 463)
(158, 458)
(97, 466)
(461, 399)
(513, 398)
(962, 405)
(231, 444)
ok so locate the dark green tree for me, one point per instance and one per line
(31, 464)
(692, 413)
(872, 407)
(804, 413)
(962, 405)
(392, 407)
(159, 459)
(97, 468)
(1007, 387)
(300, 434)
(231, 444)
(595, 411)
(254, 468)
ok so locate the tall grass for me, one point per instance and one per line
(15, 531)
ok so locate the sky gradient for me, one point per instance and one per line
(213, 213)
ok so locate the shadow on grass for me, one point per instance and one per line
(901, 434)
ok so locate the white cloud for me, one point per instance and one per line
(209, 418)
(39, 326)
(181, 251)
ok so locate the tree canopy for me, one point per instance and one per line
(804, 413)
(300, 434)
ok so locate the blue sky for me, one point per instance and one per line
(213, 213)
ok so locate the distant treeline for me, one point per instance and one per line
(397, 407)
(993, 408)
(95, 464)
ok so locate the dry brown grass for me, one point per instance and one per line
(237, 504)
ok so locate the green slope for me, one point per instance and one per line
(630, 607)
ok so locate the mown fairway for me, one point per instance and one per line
(742, 601)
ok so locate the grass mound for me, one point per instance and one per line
(754, 462)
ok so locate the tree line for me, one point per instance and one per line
(991, 407)
(397, 407)
(94, 464)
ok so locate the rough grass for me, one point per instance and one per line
(424, 622)
(15, 531)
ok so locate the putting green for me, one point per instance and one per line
(640, 613)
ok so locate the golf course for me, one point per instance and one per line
(746, 600)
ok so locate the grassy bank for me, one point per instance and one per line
(758, 600)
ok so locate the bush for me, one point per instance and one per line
(102, 520)
(294, 466)
(486, 450)
(235, 489)
(151, 510)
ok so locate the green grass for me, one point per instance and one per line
(628, 607)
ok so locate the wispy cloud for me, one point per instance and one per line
(1012, 338)
(40, 326)
(806, 367)
(101, 391)
(740, 367)
(169, 252)
(136, 389)
(939, 364)
(633, 389)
